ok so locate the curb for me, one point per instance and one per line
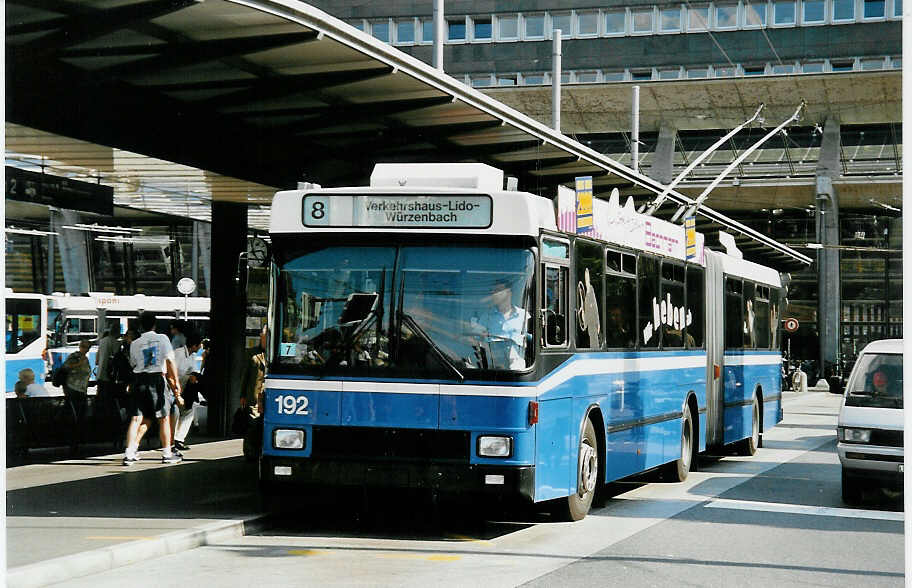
(68, 567)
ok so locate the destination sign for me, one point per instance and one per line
(398, 211)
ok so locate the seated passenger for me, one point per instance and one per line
(618, 332)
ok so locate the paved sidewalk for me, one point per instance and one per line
(72, 518)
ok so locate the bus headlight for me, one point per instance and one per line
(288, 439)
(850, 435)
(491, 446)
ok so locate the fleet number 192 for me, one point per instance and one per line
(288, 404)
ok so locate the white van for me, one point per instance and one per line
(870, 426)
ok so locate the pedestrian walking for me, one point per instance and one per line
(189, 383)
(153, 363)
(105, 392)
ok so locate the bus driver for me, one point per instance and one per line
(503, 326)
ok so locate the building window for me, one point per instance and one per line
(697, 72)
(813, 67)
(843, 10)
(844, 65)
(868, 64)
(614, 76)
(405, 31)
(427, 30)
(481, 81)
(784, 68)
(565, 77)
(669, 74)
(381, 30)
(564, 22)
(641, 75)
(507, 27)
(873, 8)
(784, 13)
(456, 30)
(587, 23)
(615, 22)
(697, 18)
(534, 25)
(535, 79)
(358, 24)
(897, 8)
(481, 29)
(755, 15)
(897, 63)
(754, 70)
(726, 16)
(671, 20)
(725, 71)
(642, 21)
(506, 79)
(587, 77)
(813, 11)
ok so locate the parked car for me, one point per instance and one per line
(870, 426)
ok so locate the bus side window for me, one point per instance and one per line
(620, 300)
(749, 315)
(734, 328)
(589, 305)
(554, 313)
(696, 303)
(650, 332)
(761, 317)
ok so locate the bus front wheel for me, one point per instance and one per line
(576, 506)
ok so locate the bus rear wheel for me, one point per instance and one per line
(680, 468)
(749, 446)
(576, 506)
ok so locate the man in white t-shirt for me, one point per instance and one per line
(153, 362)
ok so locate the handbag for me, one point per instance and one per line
(59, 376)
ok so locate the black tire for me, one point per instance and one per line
(749, 446)
(851, 489)
(576, 506)
(678, 470)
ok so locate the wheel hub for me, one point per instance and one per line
(588, 469)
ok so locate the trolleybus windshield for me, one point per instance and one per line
(441, 312)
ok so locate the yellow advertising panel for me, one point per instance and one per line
(584, 204)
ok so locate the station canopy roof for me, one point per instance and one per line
(265, 94)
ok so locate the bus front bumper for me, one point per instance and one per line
(516, 481)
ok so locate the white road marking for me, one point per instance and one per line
(805, 509)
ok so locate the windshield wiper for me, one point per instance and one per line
(403, 317)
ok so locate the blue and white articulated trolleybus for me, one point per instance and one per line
(435, 331)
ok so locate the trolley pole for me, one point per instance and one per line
(635, 130)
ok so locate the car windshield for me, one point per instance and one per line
(876, 381)
(427, 311)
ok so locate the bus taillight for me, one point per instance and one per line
(533, 412)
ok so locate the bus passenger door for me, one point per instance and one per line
(555, 463)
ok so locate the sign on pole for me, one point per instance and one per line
(690, 230)
(584, 204)
(790, 325)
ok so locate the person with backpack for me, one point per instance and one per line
(78, 372)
